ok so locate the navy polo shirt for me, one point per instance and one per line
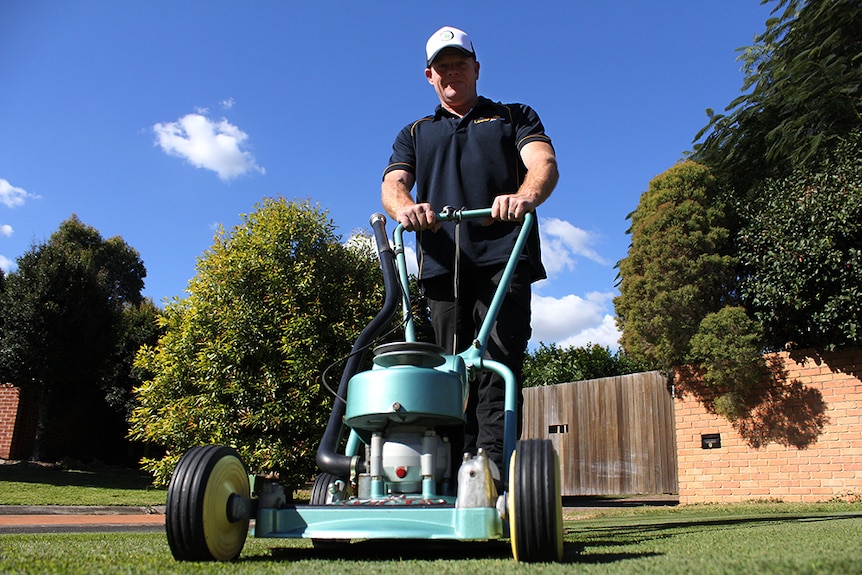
(465, 163)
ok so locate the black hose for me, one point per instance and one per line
(328, 458)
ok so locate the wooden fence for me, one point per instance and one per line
(614, 436)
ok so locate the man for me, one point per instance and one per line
(472, 153)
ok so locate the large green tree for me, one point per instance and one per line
(802, 92)
(275, 301)
(139, 326)
(678, 268)
(801, 250)
(2, 289)
(786, 158)
(788, 152)
(62, 315)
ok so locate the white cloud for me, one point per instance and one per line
(410, 257)
(228, 104)
(6, 264)
(605, 334)
(204, 143)
(562, 243)
(12, 196)
(573, 320)
(6, 230)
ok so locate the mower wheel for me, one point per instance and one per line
(534, 502)
(320, 495)
(320, 490)
(197, 516)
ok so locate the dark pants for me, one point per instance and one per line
(507, 344)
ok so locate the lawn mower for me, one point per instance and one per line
(386, 467)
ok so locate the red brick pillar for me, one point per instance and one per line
(9, 399)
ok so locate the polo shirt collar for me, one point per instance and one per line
(441, 112)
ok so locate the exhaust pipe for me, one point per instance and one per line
(328, 458)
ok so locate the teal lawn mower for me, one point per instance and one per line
(386, 469)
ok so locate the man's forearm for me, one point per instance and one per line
(542, 174)
(395, 194)
(539, 182)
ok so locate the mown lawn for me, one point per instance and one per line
(767, 537)
(711, 539)
(36, 484)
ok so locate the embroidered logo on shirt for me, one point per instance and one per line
(483, 120)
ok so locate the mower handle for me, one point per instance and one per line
(473, 354)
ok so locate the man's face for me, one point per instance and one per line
(453, 75)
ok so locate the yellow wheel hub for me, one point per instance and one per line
(224, 538)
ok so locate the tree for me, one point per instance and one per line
(786, 158)
(61, 313)
(727, 346)
(801, 250)
(2, 289)
(550, 364)
(274, 302)
(678, 268)
(787, 152)
(139, 326)
(802, 92)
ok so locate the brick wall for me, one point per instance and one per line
(802, 443)
(9, 398)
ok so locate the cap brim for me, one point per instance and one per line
(459, 48)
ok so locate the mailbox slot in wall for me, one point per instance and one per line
(710, 441)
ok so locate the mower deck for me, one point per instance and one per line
(380, 520)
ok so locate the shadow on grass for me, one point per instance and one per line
(57, 475)
(397, 550)
(428, 551)
(579, 501)
(586, 544)
(584, 550)
(623, 536)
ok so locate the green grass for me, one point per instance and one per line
(34, 484)
(763, 538)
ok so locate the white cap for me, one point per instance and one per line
(447, 37)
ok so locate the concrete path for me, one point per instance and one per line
(59, 519)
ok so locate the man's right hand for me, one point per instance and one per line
(418, 217)
(399, 204)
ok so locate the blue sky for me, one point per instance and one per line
(158, 121)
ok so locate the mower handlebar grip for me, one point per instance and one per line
(378, 228)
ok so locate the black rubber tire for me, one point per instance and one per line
(320, 489)
(534, 502)
(196, 515)
(320, 496)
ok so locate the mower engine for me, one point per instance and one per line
(397, 408)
